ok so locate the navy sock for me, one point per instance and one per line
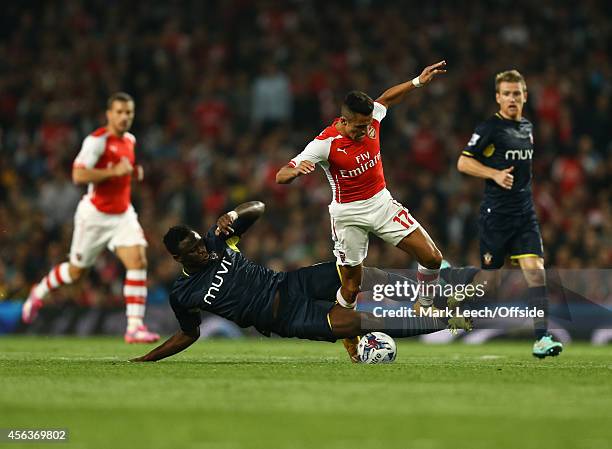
(538, 297)
(402, 327)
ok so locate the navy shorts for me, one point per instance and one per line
(501, 235)
(306, 297)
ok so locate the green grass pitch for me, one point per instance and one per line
(260, 393)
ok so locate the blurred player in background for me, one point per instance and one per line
(501, 151)
(349, 152)
(105, 218)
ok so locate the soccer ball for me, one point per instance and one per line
(376, 347)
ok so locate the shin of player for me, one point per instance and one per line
(58, 276)
(134, 287)
(537, 295)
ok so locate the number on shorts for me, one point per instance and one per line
(403, 214)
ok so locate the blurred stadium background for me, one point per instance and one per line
(228, 91)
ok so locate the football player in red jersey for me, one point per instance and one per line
(349, 152)
(105, 218)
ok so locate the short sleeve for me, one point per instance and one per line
(214, 242)
(189, 320)
(315, 152)
(91, 150)
(379, 112)
(480, 140)
(220, 242)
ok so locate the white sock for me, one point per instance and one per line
(133, 323)
(343, 302)
(135, 294)
(58, 276)
(427, 277)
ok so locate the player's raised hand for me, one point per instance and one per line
(504, 178)
(224, 223)
(430, 71)
(304, 168)
(124, 167)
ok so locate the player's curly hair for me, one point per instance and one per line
(174, 236)
(358, 102)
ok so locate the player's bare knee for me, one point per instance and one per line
(75, 272)
(432, 259)
(136, 262)
(533, 270)
(535, 278)
(140, 263)
(437, 257)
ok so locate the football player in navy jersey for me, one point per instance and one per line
(501, 151)
(217, 278)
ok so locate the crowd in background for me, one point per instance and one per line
(227, 92)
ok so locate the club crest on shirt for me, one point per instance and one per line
(487, 258)
(371, 132)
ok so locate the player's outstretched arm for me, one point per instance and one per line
(237, 221)
(288, 173)
(396, 94)
(472, 167)
(175, 344)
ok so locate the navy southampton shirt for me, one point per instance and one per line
(501, 143)
(231, 286)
